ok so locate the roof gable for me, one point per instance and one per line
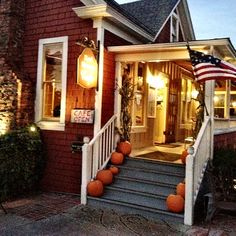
(152, 13)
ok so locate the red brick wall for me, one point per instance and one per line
(225, 140)
(55, 18)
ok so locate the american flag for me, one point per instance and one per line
(207, 67)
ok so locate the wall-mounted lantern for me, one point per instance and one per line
(87, 66)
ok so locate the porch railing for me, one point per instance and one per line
(196, 163)
(96, 154)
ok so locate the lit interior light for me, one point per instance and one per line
(194, 94)
(234, 104)
(156, 82)
(216, 99)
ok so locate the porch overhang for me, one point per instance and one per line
(221, 48)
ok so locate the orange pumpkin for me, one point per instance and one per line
(184, 155)
(124, 147)
(180, 189)
(117, 158)
(175, 203)
(114, 170)
(95, 188)
(105, 176)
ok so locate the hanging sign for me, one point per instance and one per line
(83, 116)
(87, 69)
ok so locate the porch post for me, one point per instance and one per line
(117, 103)
(189, 181)
(98, 97)
(209, 102)
(86, 169)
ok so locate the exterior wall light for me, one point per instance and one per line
(87, 66)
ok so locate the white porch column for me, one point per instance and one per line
(117, 103)
(98, 96)
(209, 102)
(189, 181)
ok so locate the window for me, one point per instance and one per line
(174, 28)
(51, 83)
(188, 105)
(139, 96)
(136, 73)
(220, 99)
(232, 109)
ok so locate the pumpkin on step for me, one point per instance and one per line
(114, 170)
(124, 147)
(95, 188)
(175, 203)
(117, 158)
(105, 176)
(180, 189)
(184, 156)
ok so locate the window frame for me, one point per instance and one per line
(50, 124)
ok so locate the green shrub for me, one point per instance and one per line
(22, 161)
(224, 164)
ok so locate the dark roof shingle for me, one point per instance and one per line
(148, 14)
(152, 13)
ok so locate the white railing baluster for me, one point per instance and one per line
(196, 161)
(96, 154)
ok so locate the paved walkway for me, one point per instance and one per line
(62, 214)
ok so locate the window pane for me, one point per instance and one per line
(52, 80)
(220, 99)
(233, 100)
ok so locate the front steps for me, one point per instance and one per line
(142, 187)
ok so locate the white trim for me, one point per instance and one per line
(169, 51)
(166, 20)
(174, 15)
(111, 27)
(51, 125)
(104, 10)
(117, 100)
(98, 96)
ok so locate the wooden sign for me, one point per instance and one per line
(87, 69)
(82, 116)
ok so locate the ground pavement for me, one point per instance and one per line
(62, 214)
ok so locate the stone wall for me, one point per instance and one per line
(12, 111)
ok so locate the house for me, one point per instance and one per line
(40, 45)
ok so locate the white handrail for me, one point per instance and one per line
(96, 154)
(196, 163)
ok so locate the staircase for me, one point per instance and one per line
(142, 187)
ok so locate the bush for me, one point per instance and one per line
(22, 162)
(224, 167)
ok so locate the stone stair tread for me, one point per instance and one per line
(141, 187)
(163, 197)
(150, 171)
(157, 183)
(139, 159)
(136, 206)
